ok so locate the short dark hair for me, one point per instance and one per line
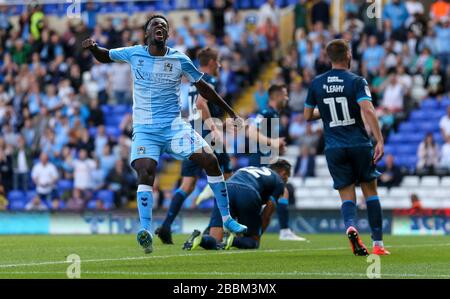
(281, 164)
(155, 17)
(337, 50)
(276, 88)
(206, 54)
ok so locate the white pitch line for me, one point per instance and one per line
(294, 273)
(204, 254)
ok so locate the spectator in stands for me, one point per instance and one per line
(120, 180)
(22, 162)
(3, 199)
(6, 170)
(261, 96)
(119, 77)
(96, 117)
(297, 128)
(393, 94)
(45, 175)
(442, 30)
(444, 124)
(36, 204)
(416, 205)
(76, 203)
(297, 96)
(439, 9)
(269, 10)
(445, 156)
(435, 82)
(391, 175)
(305, 164)
(320, 12)
(397, 13)
(310, 139)
(372, 58)
(99, 73)
(98, 176)
(300, 15)
(83, 168)
(427, 156)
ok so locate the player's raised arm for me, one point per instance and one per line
(369, 116)
(206, 91)
(101, 54)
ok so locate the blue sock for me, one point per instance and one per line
(145, 205)
(375, 215)
(283, 213)
(245, 243)
(175, 206)
(219, 188)
(208, 242)
(348, 210)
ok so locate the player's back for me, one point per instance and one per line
(336, 94)
(263, 180)
(194, 113)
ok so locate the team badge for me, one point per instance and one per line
(141, 150)
(168, 67)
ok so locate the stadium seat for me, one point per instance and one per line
(313, 182)
(407, 127)
(17, 200)
(410, 181)
(418, 115)
(107, 197)
(445, 182)
(429, 104)
(429, 181)
(399, 192)
(296, 182)
(382, 192)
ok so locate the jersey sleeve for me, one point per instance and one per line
(189, 70)
(362, 90)
(310, 101)
(121, 54)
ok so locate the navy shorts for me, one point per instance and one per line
(245, 207)
(192, 169)
(351, 165)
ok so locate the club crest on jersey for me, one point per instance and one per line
(141, 150)
(168, 67)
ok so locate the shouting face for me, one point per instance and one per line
(157, 32)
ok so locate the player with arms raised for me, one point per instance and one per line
(343, 100)
(157, 124)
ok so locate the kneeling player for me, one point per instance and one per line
(253, 193)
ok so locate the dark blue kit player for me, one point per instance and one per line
(254, 193)
(343, 101)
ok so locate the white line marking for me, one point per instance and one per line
(294, 273)
(204, 254)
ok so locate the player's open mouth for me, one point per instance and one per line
(159, 33)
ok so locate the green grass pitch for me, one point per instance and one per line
(119, 256)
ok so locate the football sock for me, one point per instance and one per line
(245, 243)
(145, 205)
(283, 213)
(219, 188)
(375, 215)
(175, 206)
(208, 242)
(348, 210)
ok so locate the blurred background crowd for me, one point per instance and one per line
(66, 119)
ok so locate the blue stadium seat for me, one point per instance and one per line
(91, 204)
(120, 109)
(413, 137)
(92, 131)
(418, 115)
(17, 200)
(428, 126)
(438, 138)
(445, 102)
(107, 109)
(107, 197)
(64, 185)
(243, 4)
(113, 131)
(435, 115)
(389, 149)
(407, 127)
(405, 150)
(429, 104)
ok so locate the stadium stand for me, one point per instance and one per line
(55, 98)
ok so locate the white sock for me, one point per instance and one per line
(378, 243)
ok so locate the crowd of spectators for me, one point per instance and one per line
(65, 118)
(404, 56)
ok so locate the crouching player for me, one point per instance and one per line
(253, 193)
